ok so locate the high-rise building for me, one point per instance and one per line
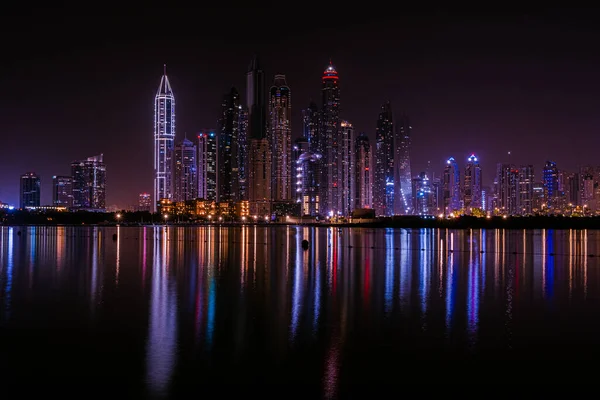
(207, 165)
(89, 183)
(587, 183)
(164, 138)
(62, 191)
(451, 187)
(424, 195)
(526, 182)
(185, 180)
(311, 124)
(280, 134)
(346, 169)
(259, 148)
(307, 178)
(472, 184)
(402, 199)
(227, 156)
(329, 132)
(573, 191)
(243, 154)
(30, 190)
(363, 172)
(550, 180)
(144, 202)
(507, 189)
(383, 188)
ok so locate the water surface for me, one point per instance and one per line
(212, 311)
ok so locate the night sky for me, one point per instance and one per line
(74, 87)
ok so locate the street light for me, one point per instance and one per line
(118, 217)
(166, 216)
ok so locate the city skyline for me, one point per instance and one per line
(497, 101)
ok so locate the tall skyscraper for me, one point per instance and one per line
(526, 182)
(424, 195)
(550, 179)
(280, 133)
(207, 165)
(363, 172)
(472, 184)
(62, 191)
(346, 171)
(228, 183)
(30, 190)
(185, 180)
(144, 202)
(330, 135)
(507, 189)
(307, 178)
(259, 151)
(383, 188)
(164, 138)
(451, 187)
(311, 120)
(402, 199)
(89, 183)
(243, 154)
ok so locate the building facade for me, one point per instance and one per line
(207, 165)
(185, 174)
(363, 172)
(280, 134)
(62, 191)
(402, 201)
(346, 169)
(329, 133)
(451, 187)
(472, 184)
(228, 182)
(383, 188)
(89, 183)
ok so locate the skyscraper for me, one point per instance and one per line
(402, 199)
(207, 165)
(89, 183)
(62, 191)
(280, 125)
(346, 171)
(424, 195)
(259, 151)
(164, 137)
(330, 135)
(185, 180)
(228, 183)
(311, 123)
(550, 179)
(243, 154)
(526, 182)
(30, 190)
(307, 177)
(383, 187)
(472, 184)
(451, 186)
(363, 174)
(507, 189)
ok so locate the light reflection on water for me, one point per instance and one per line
(221, 300)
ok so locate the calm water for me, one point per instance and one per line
(189, 312)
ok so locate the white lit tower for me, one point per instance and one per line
(164, 138)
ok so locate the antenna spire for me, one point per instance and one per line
(164, 69)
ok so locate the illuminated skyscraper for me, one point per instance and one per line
(424, 195)
(185, 180)
(472, 184)
(363, 172)
(62, 191)
(243, 153)
(259, 148)
(164, 137)
(451, 186)
(526, 182)
(311, 124)
(280, 133)
(346, 170)
(30, 190)
(507, 189)
(402, 199)
(330, 136)
(307, 178)
(89, 183)
(383, 187)
(207, 165)
(550, 179)
(228, 182)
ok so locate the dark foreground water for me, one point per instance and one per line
(211, 312)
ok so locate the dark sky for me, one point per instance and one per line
(76, 86)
